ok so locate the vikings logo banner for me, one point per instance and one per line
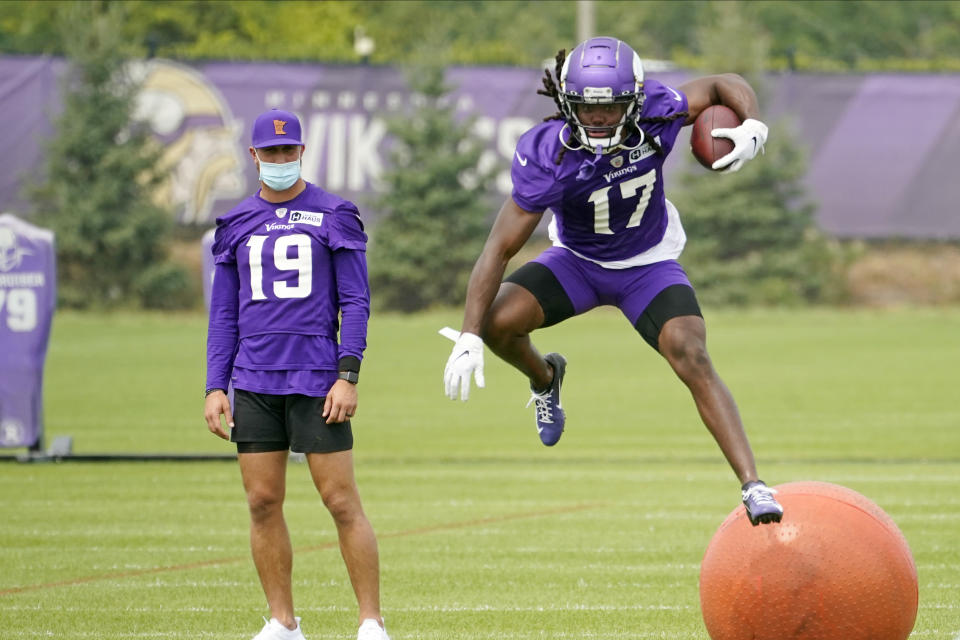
(866, 185)
(27, 301)
(202, 140)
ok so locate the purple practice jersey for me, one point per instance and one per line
(289, 278)
(28, 296)
(611, 209)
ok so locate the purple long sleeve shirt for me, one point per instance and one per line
(290, 298)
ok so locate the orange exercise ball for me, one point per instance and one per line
(835, 568)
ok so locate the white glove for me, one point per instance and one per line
(466, 358)
(748, 139)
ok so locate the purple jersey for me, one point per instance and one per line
(286, 275)
(608, 209)
(28, 296)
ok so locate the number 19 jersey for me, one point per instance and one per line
(286, 272)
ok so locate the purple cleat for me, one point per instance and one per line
(761, 506)
(550, 416)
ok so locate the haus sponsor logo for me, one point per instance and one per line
(645, 151)
(312, 218)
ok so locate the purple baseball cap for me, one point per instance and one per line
(276, 127)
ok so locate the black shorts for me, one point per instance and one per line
(265, 422)
(674, 301)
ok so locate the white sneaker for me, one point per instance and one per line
(370, 629)
(274, 630)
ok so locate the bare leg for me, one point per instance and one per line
(264, 479)
(514, 313)
(683, 343)
(333, 476)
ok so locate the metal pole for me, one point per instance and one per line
(586, 25)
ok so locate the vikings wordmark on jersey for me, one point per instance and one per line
(299, 300)
(616, 210)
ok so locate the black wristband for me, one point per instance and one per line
(209, 391)
(349, 363)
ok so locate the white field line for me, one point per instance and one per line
(396, 635)
(426, 609)
(437, 608)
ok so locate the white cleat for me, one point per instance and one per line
(274, 630)
(370, 629)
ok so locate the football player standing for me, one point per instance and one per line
(288, 327)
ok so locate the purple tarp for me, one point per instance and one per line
(883, 148)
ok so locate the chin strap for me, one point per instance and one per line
(564, 142)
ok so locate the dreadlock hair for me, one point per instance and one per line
(551, 90)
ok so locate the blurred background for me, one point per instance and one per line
(126, 126)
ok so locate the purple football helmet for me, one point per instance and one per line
(601, 71)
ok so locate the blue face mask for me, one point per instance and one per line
(279, 176)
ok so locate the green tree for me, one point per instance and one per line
(751, 234)
(101, 170)
(435, 211)
(250, 30)
(513, 32)
(753, 237)
(812, 35)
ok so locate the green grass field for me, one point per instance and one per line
(484, 533)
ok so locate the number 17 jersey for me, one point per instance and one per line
(609, 209)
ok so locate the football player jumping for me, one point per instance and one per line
(597, 164)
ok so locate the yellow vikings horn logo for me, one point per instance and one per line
(201, 139)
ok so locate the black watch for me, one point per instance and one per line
(353, 377)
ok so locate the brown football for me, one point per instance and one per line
(707, 149)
